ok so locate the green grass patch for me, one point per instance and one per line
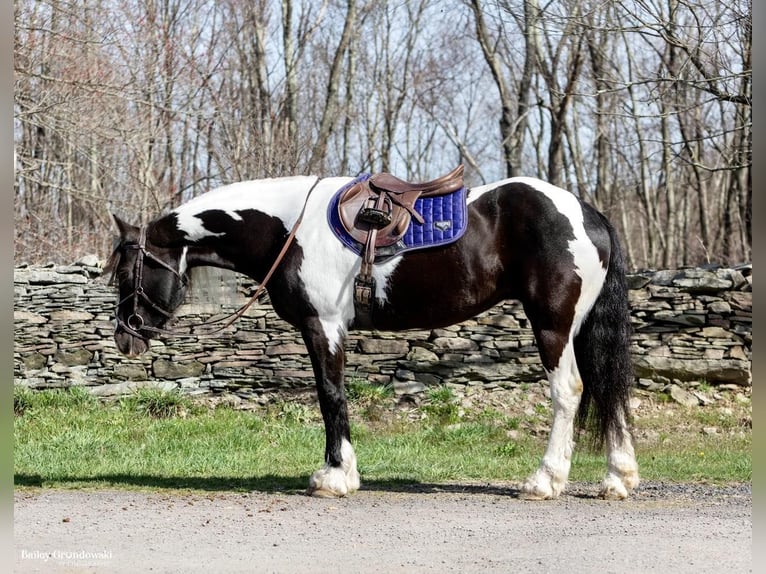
(369, 400)
(441, 406)
(158, 403)
(163, 440)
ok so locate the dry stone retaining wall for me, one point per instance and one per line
(690, 325)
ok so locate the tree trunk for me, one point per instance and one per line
(330, 110)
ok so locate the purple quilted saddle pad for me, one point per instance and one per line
(445, 220)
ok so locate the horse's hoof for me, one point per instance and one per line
(333, 482)
(539, 486)
(611, 493)
(613, 488)
(532, 491)
(531, 495)
(322, 493)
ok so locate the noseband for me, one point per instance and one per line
(135, 322)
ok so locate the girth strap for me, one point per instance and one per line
(364, 284)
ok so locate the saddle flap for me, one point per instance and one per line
(357, 211)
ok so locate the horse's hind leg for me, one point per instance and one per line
(557, 353)
(339, 475)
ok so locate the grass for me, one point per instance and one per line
(158, 403)
(160, 439)
(441, 406)
(369, 399)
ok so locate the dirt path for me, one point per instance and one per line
(465, 528)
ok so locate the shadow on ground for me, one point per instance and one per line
(268, 483)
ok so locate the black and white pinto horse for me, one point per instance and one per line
(526, 239)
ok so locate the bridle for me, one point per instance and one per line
(135, 322)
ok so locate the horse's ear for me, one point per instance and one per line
(127, 231)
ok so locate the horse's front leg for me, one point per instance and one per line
(338, 477)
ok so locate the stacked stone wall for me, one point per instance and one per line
(690, 326)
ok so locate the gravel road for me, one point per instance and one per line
(427, 528)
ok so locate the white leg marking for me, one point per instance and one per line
(550, 479)
(622, 474)
(336, 481)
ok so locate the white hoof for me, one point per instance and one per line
(622, 476)
(330, 482)
(615, 488)
(336, 481)
(542, 485)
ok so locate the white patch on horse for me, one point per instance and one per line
(329, 268)
(586, 258)
(278, 197)
(326, 267)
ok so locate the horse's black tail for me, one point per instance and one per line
(602, 351)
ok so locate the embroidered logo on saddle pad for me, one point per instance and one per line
(445, 218)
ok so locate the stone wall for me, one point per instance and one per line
(691, 325)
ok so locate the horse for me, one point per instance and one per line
(525, 239)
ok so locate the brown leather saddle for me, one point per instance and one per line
(376, 212)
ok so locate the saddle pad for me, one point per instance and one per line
(445, 220)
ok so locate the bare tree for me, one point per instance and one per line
(643, 107)
(514, 98)
(703, 50)
(331, 106)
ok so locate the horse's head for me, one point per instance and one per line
(152, 283)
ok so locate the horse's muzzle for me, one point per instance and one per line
(130, 345)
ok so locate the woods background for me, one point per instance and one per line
(641, 107)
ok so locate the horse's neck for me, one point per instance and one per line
(241, 226)
(279, 197)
